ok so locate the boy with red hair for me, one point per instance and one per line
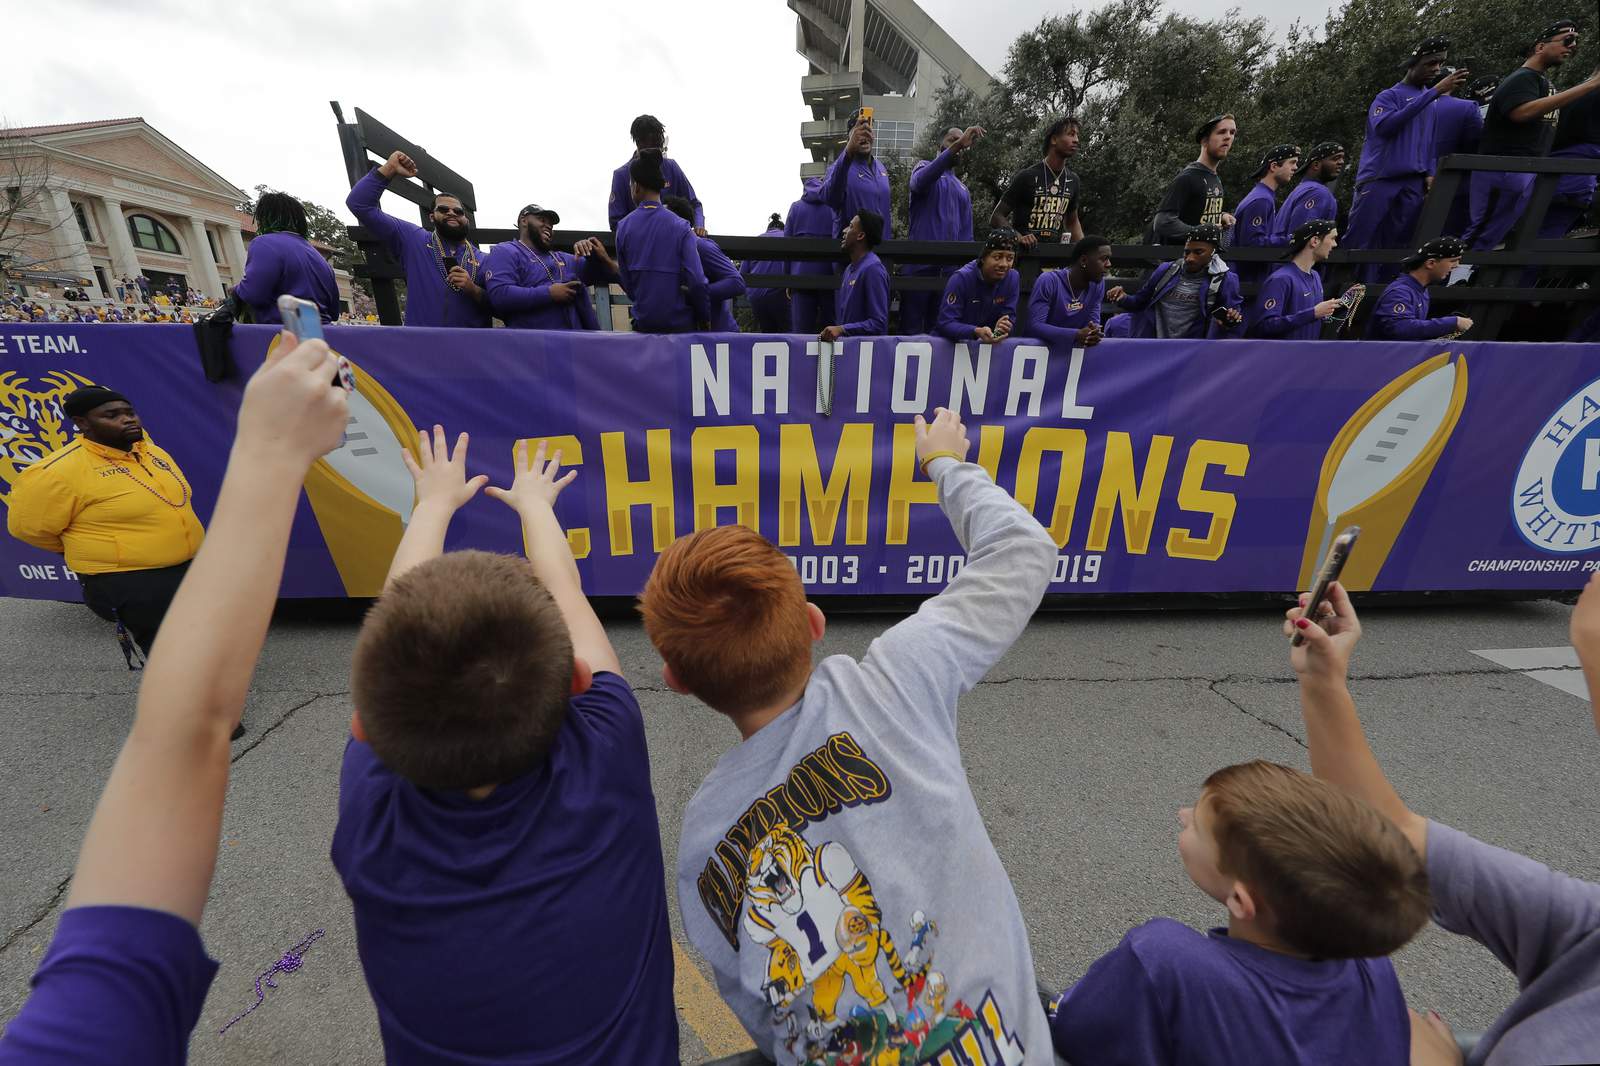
(833, 867)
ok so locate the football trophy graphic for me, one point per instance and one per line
(1379, 463)
(361, 492)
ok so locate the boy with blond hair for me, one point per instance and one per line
(833, 867)
(1319, 888)
(497, 833)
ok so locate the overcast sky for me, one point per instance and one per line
(527, 99)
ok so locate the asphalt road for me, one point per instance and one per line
(1081, 745)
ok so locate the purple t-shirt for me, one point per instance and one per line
(527, 927)
(1545, 927)
(1167, 996)
(119, 985)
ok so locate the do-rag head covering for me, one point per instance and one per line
(1309, 230)
(1438, 44)
(1438, 248)
(1276, 154)
(1207, 232)
(1323, 151)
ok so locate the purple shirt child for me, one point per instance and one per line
(676, 184)
(119, 984)
(548, 895)
(659, 257)
(863, 300)
(285, 264)
(429, 301)
(519, 287)
(1168, 996)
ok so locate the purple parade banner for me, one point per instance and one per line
(1158, 466)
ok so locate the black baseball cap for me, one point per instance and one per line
(542, 212)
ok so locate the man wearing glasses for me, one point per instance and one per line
(445, 276)
(1521, 121)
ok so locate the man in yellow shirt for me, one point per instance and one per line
(117, 508)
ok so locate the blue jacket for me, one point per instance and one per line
(852, 185)
(1252, 228)
(970, 302)
(1400, 128)
(1221, 290)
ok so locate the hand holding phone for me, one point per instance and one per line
(302, 320)
(1332, 567)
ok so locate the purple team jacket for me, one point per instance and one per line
(852, 185)
(659, 257)
(285, 264)
(621, 202)
(810, 216)
(970, 302)
(724, 282)
(1400, 133)
(1285, 306)
(863, 300)
(519, 287)
(429, 301)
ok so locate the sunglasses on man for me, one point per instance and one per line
(444, 209)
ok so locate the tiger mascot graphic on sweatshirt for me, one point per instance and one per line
(814, 911)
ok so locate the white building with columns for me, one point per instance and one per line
(114, 199)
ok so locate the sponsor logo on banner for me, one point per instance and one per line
(1555, 500)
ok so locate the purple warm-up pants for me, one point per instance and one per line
(1498, 200)
(1383, 214)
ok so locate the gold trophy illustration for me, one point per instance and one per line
(1379, 463)
(361, 492)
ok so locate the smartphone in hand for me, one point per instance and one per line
(302, 320)
(1332, 567)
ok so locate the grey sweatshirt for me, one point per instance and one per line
(834, 868)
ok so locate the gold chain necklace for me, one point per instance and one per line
(160, 464)
(469, 257)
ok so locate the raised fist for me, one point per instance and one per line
(399, 163)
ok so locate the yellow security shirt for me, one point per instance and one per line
(105, 509)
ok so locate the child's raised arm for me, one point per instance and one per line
(1339, 750)
(533, 496)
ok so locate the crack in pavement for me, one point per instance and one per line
(1243, 679)
(1236, 705)
(39, 916)
(290, 713)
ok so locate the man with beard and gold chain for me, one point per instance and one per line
(118, 509)
(533, 286)
(445, 275)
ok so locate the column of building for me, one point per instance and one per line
(233, 242)
(202, 257)
(124, 260)
(69, 238)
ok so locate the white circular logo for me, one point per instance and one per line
(1556, 497)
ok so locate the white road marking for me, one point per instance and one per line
(1556, 667)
